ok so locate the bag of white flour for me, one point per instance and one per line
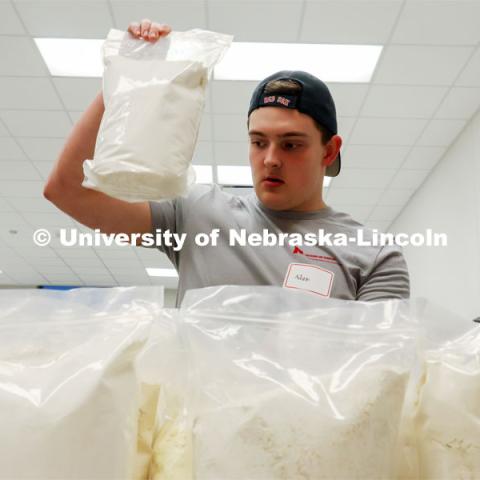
(312, 393)
(69, 392)
(154, 95)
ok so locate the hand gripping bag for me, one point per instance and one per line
(154, 95)
(285, 386)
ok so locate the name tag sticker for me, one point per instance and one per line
(311, 278)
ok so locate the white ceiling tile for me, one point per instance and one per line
(460, 103)
(396, 196)
(5, 206)
(9, 21)
(20, 57)
(132, 281)
(358, 212)
(345, 127)
(45, 168)
(381, 226)
(180, 15)
(78, 93)
(230, 128)
(386, 131)
(12, 221)
(57, 18)
(337, 21)
(421, 65)
(248, 21)
(152, 257)
(21, 189)
(83, 270)
(118, 254)
(3, 130)
(363, 178)
(75, 116)
(403, 101)
(374, 156)
(385, 213)
(470, 76)
(18, 170)
(230, 96)
(9, 150)
(19, 238)
(68, 253)
(79, 264)
(35, 123)
(47, 263)
(59, 279)
(32, 252)
(348, 97)
(98, 280)
(338, 197)
(41, 148)
(55, 270)
(430, 22)
(203, 154)
(28, 279)
(410, 179)
(231, 153)
(423, 158)
(46, 220)
(28, 94)
(205, 133)
(441, 132)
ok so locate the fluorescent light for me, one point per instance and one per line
(72, 57)
(161, 272)
(331, 63)
(243, 61)
(203, 173)
(228, 175)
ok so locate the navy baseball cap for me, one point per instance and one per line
(314, 100)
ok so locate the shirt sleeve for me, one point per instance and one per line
(388, 278)
(165, 217)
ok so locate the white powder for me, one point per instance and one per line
(172, 447)
(348, 433)
(69, 400)
(149, 129)
(448, 423)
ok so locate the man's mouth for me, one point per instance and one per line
(273, 181)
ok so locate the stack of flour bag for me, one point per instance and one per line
(240, 383)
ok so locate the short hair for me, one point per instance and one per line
(291, 87)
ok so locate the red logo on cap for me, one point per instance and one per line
(283, 101)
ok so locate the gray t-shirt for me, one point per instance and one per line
(356, 272)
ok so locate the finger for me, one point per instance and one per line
(134, 29)
(158, 30)
(145, 28)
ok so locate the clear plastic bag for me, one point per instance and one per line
(69, 392)
(284, 386)
(154, 96)
(164, 437)
(440, 427)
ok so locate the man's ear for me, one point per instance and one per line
(332, 148)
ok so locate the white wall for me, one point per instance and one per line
(448, 201)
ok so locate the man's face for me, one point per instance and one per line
(287, 159)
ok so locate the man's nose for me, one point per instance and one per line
(272, 157)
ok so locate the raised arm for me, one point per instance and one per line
(64, 186)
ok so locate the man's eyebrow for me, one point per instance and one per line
(283, 135)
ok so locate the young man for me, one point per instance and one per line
(293, 145)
